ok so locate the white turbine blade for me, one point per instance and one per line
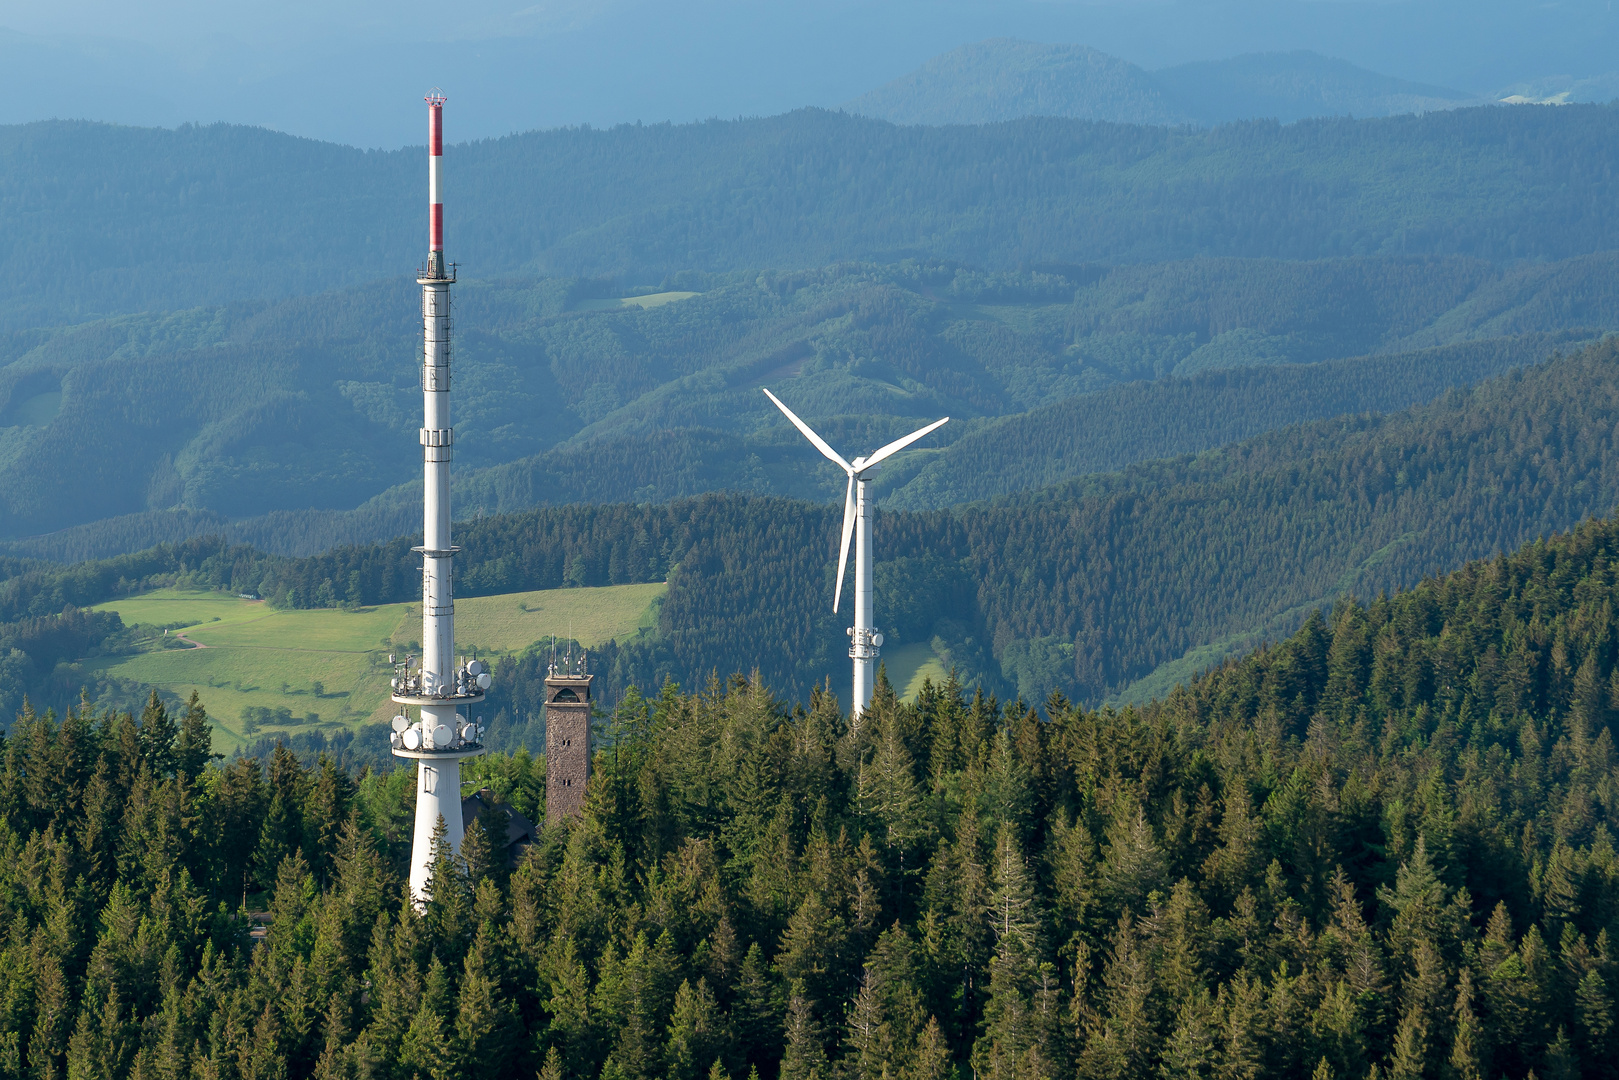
(848, 531)
(820, 443)
(899, 444)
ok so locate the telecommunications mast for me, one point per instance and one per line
(438, 687)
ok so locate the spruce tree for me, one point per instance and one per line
(813, 951)
(572, 1030)
(194, 747)
(1120, 1040)
(487, 1032)
(757, 1012)
(446, 916)
(696, 1032)
(889, 796)
(336, 1060)
(158, 736)
(1467, 1055)
(1010, 1026)
(930, 1060)
(804, 1057)
(482, 855)
(1192, 1049)
(1132, 863)
(430, 1048)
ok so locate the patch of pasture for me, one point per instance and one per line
(260, 670)
(908, 666)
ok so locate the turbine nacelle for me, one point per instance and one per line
(858, 470)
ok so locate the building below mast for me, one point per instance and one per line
(439, 686)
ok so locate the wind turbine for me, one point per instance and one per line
(865, 642)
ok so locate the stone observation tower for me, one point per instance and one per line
(567, 738)
(440, 686)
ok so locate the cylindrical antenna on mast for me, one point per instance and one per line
(435, 193)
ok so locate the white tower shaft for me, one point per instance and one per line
(863, 648)
(441, 736)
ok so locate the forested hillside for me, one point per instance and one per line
(1113, 428)
(124, 219)
(1385, 843)
(293, 426)
(1088, 587)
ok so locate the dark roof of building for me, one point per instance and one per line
(520, 831)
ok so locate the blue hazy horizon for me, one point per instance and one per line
(349, 73)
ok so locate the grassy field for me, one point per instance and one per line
(651, 300)
(909, 665)
(329, 668)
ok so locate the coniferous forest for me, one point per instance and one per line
(1359, 822)
(1090, 587)
(1384, 843)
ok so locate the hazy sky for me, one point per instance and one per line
(352, 72)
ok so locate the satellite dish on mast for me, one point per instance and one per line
(412, 739)
(400, 723)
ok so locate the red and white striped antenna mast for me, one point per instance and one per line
(435, 192)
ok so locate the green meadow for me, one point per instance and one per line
(328, 668)
(908, 666)
(650, 300)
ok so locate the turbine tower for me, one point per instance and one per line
(865, 643)
(439, 686)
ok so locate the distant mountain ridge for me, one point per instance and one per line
(107, 220)
(1006, 79)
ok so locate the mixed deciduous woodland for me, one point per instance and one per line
(1384, 842)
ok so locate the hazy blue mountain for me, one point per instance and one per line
(103, 220)
(354, 72)
(1294, 85)
(1005, 79)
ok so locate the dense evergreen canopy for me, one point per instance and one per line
(1385, 841)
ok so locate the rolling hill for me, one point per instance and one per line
(1005, 79)
(1113, 585)
(113, 220)
(292, 425)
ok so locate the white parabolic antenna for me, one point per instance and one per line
(864, 639)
